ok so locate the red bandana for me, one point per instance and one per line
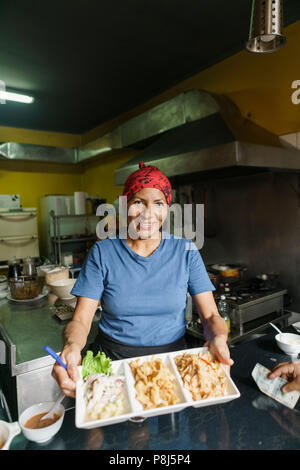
(147, 177)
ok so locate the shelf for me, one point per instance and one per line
(72, 216)
(72, 240)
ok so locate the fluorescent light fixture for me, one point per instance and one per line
(8, 96)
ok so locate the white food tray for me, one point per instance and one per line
(136, 408)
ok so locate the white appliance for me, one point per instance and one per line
(18, 234)
(9, 201)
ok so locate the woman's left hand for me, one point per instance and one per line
(219, 349)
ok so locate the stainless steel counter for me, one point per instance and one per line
(25, 328)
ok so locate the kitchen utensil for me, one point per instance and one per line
(54, 408)
(26, 287)
(43, 434)
(7, 432)
(228, 270)
(276, 328)
(55, 356)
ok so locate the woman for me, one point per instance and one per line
(142, 281)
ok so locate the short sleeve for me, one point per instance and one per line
(90, 280)
(198, 278)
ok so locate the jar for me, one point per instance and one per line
(14, 268)
(29, 268)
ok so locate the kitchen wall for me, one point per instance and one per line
(254, 221)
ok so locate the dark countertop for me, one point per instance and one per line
(252, 421)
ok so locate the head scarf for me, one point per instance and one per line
(147, 177)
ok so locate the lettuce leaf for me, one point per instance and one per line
(99, 364)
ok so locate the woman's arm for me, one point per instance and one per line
(214, 326)
(74, 339)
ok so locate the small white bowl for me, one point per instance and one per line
(288, 342)
(44, 434)
(62, 287)
(7, 432)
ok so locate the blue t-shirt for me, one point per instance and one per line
(143, 299)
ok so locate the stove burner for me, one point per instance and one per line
(243, 291)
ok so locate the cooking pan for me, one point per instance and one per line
(228, 270)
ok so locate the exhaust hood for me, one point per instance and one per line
(194, 135)
(210, 139)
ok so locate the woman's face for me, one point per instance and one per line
(147, 211)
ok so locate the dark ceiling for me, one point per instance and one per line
(86, 62)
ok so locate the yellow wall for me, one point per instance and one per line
(98, 176)
(34, 180)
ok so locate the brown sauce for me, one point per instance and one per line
(2, 444)
(36, 423)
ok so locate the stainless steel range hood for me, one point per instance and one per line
(212, 139)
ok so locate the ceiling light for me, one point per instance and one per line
(8, 96)
(266, 26)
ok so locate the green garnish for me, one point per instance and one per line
(99, 364)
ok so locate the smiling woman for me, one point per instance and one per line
(142, 281)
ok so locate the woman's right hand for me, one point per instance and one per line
(66, 379)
